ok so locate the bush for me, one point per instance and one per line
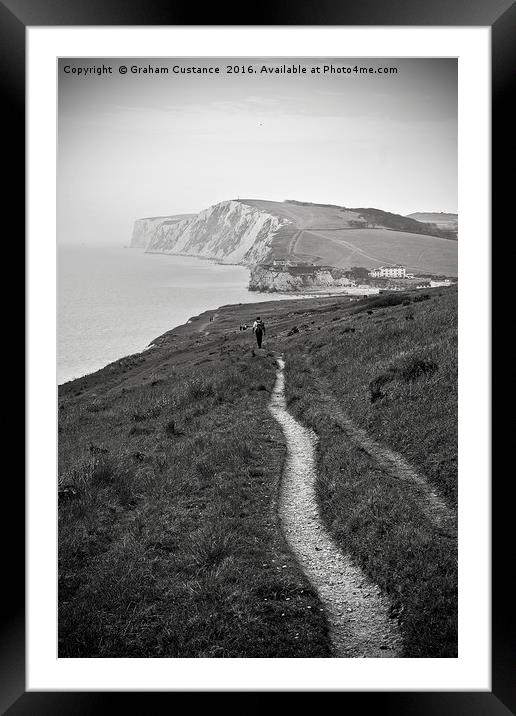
(383, 301)
(416, 368)
(411, 370)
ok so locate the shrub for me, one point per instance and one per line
(377, 384)
(211, 547)
(389, 299)
(417, 367)
(410, 370)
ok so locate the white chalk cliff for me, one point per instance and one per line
(143, 229)
(268, 237)
(230, 232)
(296, 278)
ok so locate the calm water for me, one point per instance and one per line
(113, 301)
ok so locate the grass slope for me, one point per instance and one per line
(373, 247)
(439, 218)
(329, 235)
(170, 545)
(169, 465)
(309, 215)
(392, 368)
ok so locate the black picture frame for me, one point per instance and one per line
(15, 17)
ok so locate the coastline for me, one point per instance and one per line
(113, 302)
(181, 329)
(192, 256)
(196, 324)
(132, 340)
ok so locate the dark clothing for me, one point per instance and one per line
(259, 329)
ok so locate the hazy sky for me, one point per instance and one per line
(136, 145)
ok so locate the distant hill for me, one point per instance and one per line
(439, 218)
(254, 231)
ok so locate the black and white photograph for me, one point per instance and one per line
(259, 328)
(257, 357)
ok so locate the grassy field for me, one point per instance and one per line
(441, 219)
(332, 236)
(307, 214)
(303, 215)
(392, 369)
(372, 247)
(169, 466)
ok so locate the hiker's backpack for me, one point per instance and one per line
(260, 325)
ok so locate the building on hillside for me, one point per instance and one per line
(388, 272)
(436, 284)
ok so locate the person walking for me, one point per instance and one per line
(259, 330)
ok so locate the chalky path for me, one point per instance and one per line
(358, 614)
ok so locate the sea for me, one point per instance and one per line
(113, 301)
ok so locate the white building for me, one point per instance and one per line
(388, 272)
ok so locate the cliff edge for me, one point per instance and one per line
(144, 229)
(313, 240)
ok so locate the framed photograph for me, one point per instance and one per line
(258, 269)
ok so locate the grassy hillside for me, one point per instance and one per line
(439, 218)
(254, 231)
(308, 215)
(303, 215)
(169, 545)
(410, 223)
(169, 465)
(328, 235)
(373, 247)
(390, 363)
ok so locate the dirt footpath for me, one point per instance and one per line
(358, 614)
